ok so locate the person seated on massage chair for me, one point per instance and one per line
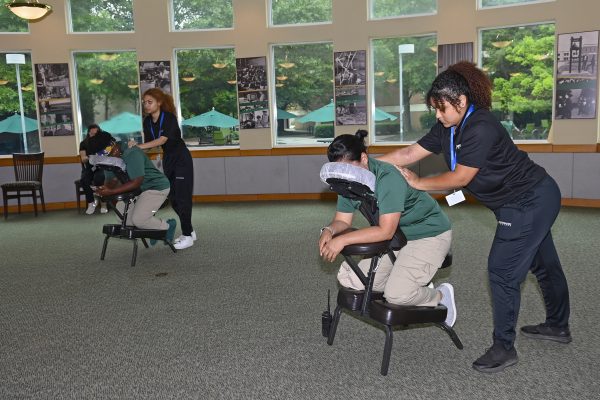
(145, 176)
(425, 225)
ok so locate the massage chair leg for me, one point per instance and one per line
(452, 335)
(134, 255)
(334, 323)
(104, 247)
(145, 243)
(387, 350)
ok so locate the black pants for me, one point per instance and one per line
(90, 177)
(523, 243)
(179, 168)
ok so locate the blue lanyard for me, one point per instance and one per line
(452, 129)
(162, 117)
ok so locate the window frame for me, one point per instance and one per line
(370, 16)
(172, 29)
(271, 25)
(69, 21)
(480, 6)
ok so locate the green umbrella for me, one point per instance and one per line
(282, 114)
(212, 118)
(381, 115)
(12, 124)
(323, 114)
(125, 122)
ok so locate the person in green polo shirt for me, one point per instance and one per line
(145, 176)
(426, 226)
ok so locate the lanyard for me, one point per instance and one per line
(452, 129)
(162, 117)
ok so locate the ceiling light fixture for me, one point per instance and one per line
(286, 64)
(281, 78)
(29, 10)
(132, 86)
(3, 81)
(232, 82)
(108, 56)
(219, 65)
(96, 81)
(502, 44)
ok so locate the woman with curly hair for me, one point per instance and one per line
(524, 198)
(161, 128)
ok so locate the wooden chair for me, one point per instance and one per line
(28, 181)
(78, 193)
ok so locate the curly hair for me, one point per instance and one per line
(165, 99)
(462, 78)
(347, 147)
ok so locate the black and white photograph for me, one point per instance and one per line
(155, 74)
(251, 73)
(577, 55)
(576, 98)
(350, 106)
(452, 53)
(350, 68)
(54, 97)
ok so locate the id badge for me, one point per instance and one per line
(455, 198)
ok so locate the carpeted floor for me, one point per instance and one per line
(237, 316)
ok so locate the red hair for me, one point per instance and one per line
(164, 99)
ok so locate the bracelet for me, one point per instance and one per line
(327, 228)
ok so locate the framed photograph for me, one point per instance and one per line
(253, 96)
(155, 74)
(575, 98)
(449, 54)
(350, 69)
(54, 99)
(577, 55)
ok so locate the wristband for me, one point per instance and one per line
(327, 228)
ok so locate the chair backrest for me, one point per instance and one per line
(368, 205)
(28, 166)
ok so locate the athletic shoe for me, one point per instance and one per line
(496, 359)
(448, 300)
(91, 208)
(103, 209)
(545, 332)
(171, 230)
(183, 242)
(181, 237)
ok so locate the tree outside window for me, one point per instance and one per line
(290, 12)
(520, 62)
(207, 79)
(10, 23)
(101, 15)
(202, 14)
(107, 85)
(12, 142)
(394, 8)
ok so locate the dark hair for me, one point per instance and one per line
(92, 126)
(165, 99)
(462, 78)
(347, 147)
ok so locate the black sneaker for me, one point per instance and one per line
(496, 358)
(545, 332)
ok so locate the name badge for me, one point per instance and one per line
(455, 198)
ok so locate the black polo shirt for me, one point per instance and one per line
(505, 172)
(169, 128)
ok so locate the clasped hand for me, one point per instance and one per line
(329, 248)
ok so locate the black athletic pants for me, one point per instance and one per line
(523, 243)
(179, 168)
(90, 177)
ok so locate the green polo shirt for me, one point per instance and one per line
(138, 164)
(421, 215)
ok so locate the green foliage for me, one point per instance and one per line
(9, 95)
(202, 14)
(308, 85)
(427, 120)
(102, 15)
(324, 131)
(393, 8)
(286, 12)
(9, 22)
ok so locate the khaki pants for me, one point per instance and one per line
(141, 213)
(404, 281)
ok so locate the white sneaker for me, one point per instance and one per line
(448, 300)
(181, 237)
(194, 236)
(103, 209)
(183, 242)
(91, 208)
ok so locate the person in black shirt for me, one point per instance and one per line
(523, 197)
(162, 129)
(95, 142)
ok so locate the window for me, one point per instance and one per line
(501, 3)
(520, 62)
(207, 80)
(11, 141)
(10, 23)
(289, 12)
(304, 83)
(402, 94)
(101, 15)
(107, 85)
(202, 14)
(394, 8)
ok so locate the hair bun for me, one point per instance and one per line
(361, 133)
